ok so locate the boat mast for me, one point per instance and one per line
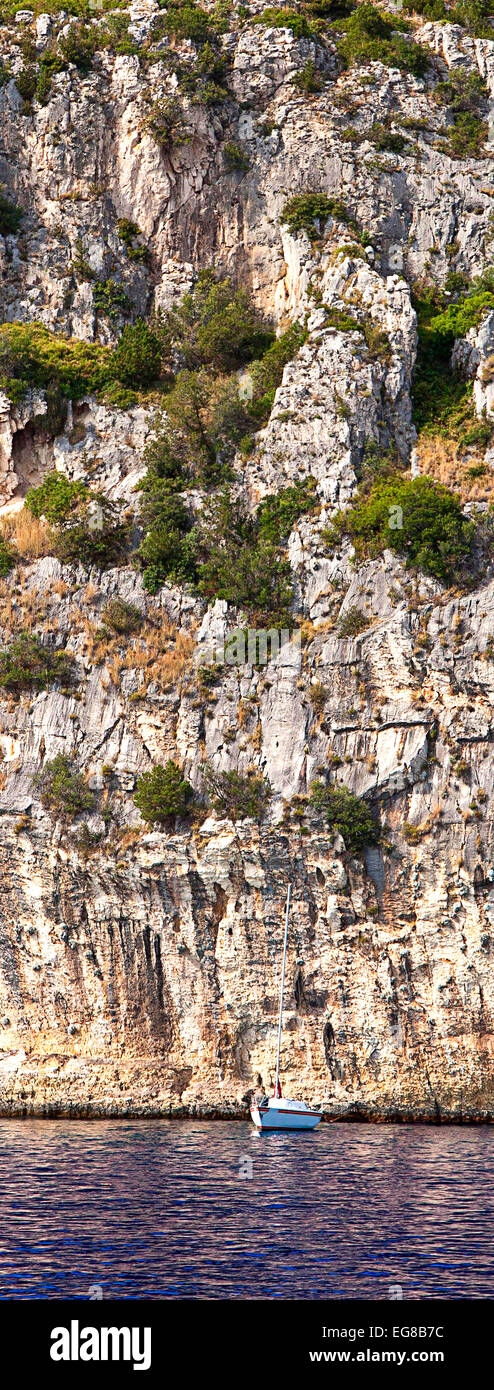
(276, 1091)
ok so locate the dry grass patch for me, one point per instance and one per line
(466, 474)
(161, 652)
(31, 537)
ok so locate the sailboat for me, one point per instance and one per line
(274, 1112)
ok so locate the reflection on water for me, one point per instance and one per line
(166, 1209)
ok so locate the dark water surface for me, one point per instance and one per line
(166, 1209)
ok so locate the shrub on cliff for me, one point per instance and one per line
(8, 558)
(123, 618)
(10, 216)
(473, 15)
(165, 121)
(30, 355)
(187, 21)
(284, 19)
(92, 536)
(137, 357)
(370, 36)
(309, 212)
(237, 564)
(26, 664)
(167, 553)
(79, 46)
(204, 420)
(216, 326)
(466, 97)
(129, 234)
(241, 558)
(346, 813)
(417, 518)
(163, 794)
(267, 374)
(237, 795)
(63, 789)
(56, 497)
(86, 526)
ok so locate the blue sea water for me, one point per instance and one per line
(171, 1209)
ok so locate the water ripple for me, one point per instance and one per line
(161, 1209)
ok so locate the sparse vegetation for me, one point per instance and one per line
(26, 664)
(63, 790)
(236, 795)
(10, 216)
(465, 96)
(309, 212)
(370, 36)
(353, 622)
(123, 618)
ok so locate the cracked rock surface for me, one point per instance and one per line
(139, 969)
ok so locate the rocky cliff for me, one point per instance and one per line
(139, 963)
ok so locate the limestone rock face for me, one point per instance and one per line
(139, 967)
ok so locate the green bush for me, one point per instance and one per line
(25, 82)
(385, 139)
(309, 78)
(353, 622)
(187, 21)
(240, 557)
(63, 789)
(346, 813)
(7, 558)
(79, 46)
(442, 399)
(91, 536)
(122, 617)
(85, 524)
(30, 355)
(137, 356)
(284, 19)
(10, 216)
(26, 664)
(110, 299)
(236, 795)
(216, 325)
(278, 512)
(235, 157)
(465, 96)
(417, 518)
(56, 497)
(370, 36)
(167, 553)
(474, 15)
(165, 121)
(129, 233)
(163, 794)
(195, 441)
(267, 374)
(309, 212)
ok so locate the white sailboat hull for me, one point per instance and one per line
(285, 1114)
